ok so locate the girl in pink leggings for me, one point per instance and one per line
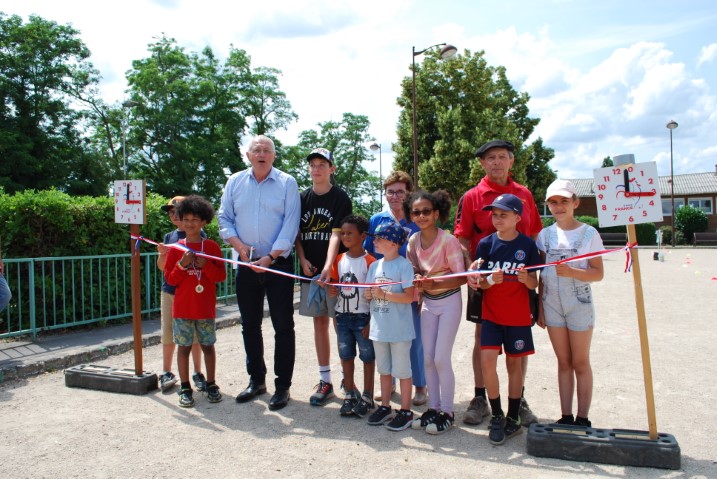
(435, 253)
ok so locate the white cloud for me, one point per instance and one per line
(707, 54)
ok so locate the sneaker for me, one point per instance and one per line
(377, 397)
(420, 398)
(512, 427)
(526, 415)
(566, 420)
(200, 382)
(213, 394)
(443, 423)
(324, 392)
(166, 381)
(426, 418)
(363, 405)
(477, 410)
(583, 422)
(347, 408)
(402, 420)
(380, 416)
(185, 398)
(496, 435)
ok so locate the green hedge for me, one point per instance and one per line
(51, 223)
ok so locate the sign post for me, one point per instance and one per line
(625, 194)
(129, 208)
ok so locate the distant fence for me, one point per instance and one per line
(62, 292)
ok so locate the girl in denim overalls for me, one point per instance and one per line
(566, 306)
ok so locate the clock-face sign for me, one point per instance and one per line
(627, 194)
(129, 202)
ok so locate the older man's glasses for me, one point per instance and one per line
(423, 212)
(395, 193)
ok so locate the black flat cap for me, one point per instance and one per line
(494, 144)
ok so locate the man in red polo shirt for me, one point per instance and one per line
(471, 225)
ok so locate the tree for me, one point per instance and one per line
(462, 103)
(266, 105)
(45, 80)
(607, 161)
(690, 220)
(347, 140)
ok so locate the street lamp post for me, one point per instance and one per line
(671, 126)
(125, 105)
(375, 146)
(447, 51)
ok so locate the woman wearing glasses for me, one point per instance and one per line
(397, 186)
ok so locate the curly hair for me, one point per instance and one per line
(399, 176)
(440, 200)
(358, 220)
(196, 205)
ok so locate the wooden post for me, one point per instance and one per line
(136, 302)
(642, 327)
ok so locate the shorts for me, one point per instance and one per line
(573, 309)
(515, 340)
(185, 330)
(327, 307)
(166, 300)
(348, 333)
(393, 358)
(474, 308)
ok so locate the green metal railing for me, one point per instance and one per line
(63, 292)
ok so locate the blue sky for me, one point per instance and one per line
(604, 77)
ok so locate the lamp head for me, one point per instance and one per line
(672, 125)
(375, 146)
(448, 51)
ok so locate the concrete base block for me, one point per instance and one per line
(624, 447)
(104, 378)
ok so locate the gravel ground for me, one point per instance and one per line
(49, 430)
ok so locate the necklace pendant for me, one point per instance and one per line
(199, 288)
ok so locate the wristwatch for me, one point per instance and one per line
(273, 260)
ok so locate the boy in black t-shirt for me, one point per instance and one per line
(323, 206)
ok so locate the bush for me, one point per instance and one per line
(51, 223)
(689, 220)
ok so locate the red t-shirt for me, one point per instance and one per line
(188, 304)
(474, 224)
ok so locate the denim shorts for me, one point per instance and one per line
(349, 327)
(185, 330)
(516, 340)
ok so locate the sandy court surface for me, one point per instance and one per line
(49, 430)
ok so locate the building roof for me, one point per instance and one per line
(685, 185)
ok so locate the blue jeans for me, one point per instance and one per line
(349, 333)
(5, 294)
(251, 288)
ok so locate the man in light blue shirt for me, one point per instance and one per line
(259, 218)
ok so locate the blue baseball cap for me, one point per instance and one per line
(506, 202)
(391, 231)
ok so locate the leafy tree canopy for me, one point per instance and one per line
(462, 103)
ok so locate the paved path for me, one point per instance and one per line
(49, 430)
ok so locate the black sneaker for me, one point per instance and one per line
(200, 382)
(167, 380)
(380, 416)
(512, 427)
(324, 392)
(364, 405)
(347, 408)
(426, 418)
(185, 398)
(443, 423)
(402, 420)
(496, 434)
(566, 420)
(213, 394)
(583, 422)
